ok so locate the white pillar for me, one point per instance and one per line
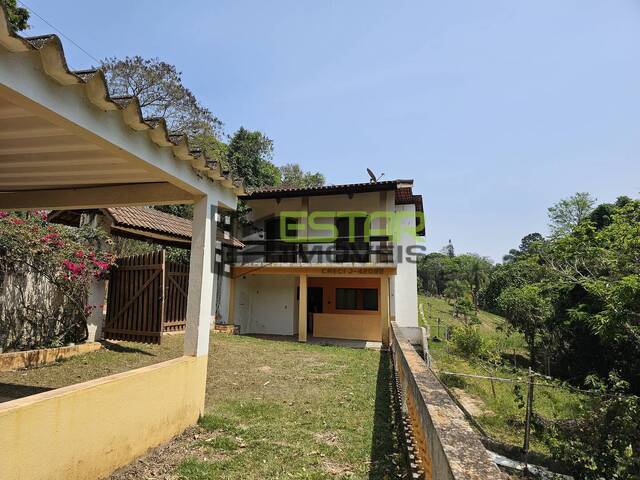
(201, 279)
(302, 309)
(95, 322)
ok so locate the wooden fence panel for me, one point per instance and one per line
(135, 301)
(177, 286)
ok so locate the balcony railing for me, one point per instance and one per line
(358, 250)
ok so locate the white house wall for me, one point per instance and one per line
(266, 304)
(404, 283)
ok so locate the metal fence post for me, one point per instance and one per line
(527, 428)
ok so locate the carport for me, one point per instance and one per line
(65, 144)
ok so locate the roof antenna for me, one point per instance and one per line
(374, 179)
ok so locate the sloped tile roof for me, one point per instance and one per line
(152, 220)
(93, 82)
(278, 192)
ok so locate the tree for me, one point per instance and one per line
(476, 272)
(249, 156)
(601, 215)
(527, 310)
(464, 309)
(565, 215)
(455, 289)
(605, 443)
(158, 86)
(294, 177)
(599, 274)
(528, 244)
(18, 16)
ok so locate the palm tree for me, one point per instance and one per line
(477, 276)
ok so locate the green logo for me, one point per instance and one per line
(322, 226)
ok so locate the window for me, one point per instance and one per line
(351, 246)
(357, 299)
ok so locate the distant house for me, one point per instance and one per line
(327, 262)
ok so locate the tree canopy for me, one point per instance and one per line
(569, 212)
(18, 16)
(294, 176)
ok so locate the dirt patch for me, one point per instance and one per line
(473, 405)
(328, 438)
(161, 462)
(265, 369)
(337, 469)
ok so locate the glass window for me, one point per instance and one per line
(357, 299)
(369, 299)
(346, 299)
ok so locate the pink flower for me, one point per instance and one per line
(41, 214)
(79, 254)
(101, 265)
(3, 214)
(49, 238)
(16, 221)
(75, 268)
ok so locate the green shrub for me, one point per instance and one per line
(606, 443)
(467, 341)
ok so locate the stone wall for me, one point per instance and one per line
(446, 445)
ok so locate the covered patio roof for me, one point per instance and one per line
(142, 223)
(66, 143)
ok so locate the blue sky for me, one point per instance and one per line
(497, 108)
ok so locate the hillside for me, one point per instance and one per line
(498, 407)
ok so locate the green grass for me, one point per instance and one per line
(274, 409)
(297, 411)
(501, 416)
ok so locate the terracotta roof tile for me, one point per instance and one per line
(95, 86)
(152, 220)
(275, 192)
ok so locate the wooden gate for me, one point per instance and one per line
(147, 297)
(176, 287)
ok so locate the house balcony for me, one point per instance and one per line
(359, 251)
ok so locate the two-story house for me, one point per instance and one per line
(336, 261)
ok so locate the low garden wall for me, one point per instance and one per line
(88, 430)
(447, 447)
(35, 358)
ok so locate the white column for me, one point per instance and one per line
(201, 279)
(95, 322)
(302, 309)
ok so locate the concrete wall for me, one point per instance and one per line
(447, 447)
(87, 431)
(266, 304)
(404, 290)
(37, 358)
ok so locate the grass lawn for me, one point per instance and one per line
(113, 358)
(274, 409)
(501, 416)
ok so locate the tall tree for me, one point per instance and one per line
(294, 176)
(161, 93)
(158, 86)
(18, 16)
(249, 156)
(527, 310)
(565, 215)
(527, 244)
(476, 273)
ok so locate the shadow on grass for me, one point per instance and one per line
(387, 460)
(119, 348)
(11, 391)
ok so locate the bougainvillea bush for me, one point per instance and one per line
(46, 272)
